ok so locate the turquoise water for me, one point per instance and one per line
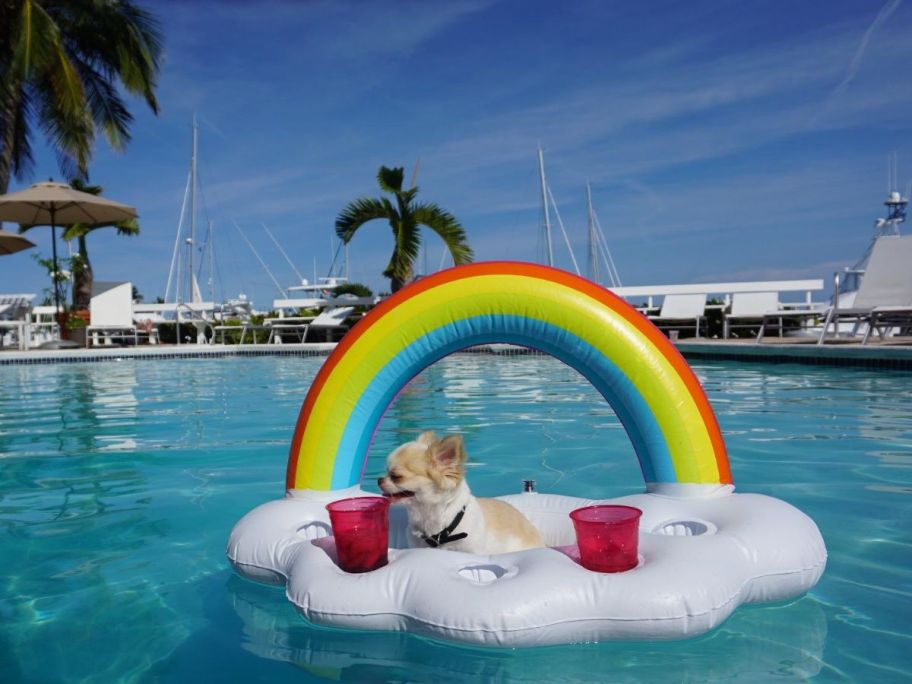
(119, 484)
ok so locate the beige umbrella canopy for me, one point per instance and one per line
(10, 243)
(57, 204)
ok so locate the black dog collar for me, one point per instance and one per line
(444, 537)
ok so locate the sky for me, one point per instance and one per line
(723, 140)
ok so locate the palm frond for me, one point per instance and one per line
(70, 132)
(16, 114)
(38, 44)
(390, 180)
(356, 214)
(448, 228)
(408, 248)
(72, 58)
(128, 228)
(108, 110)
(131, 48)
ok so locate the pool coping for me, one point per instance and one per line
(157, 352)
(846, 354)
(831, 354)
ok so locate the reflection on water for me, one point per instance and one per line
(119, 483)
(754, 645)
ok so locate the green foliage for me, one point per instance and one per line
(75, 321)
(253, 336)
(59, 278)
(714, 319)
(356, 289)
(63, 68)
(405, 220)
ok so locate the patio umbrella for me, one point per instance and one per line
(10, 243)
(57, 204)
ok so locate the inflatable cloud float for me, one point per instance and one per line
(704, 549)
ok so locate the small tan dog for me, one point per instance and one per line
(428, 476)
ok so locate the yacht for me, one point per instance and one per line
(849, 279)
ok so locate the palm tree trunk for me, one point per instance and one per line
(83, 278)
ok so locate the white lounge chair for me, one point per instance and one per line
(332, 320)
(884, 298)
(681, 310)
(15, 318)
(748, 310)
(763, 310)
(798, 313)
(43, 325)
(328, 321)
(110, 313)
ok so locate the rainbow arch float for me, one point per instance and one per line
(704, 549)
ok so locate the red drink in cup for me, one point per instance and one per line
(361, 529)
(607, 537)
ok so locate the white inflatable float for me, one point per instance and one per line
(704, 550)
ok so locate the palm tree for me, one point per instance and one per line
(404, 220)
(62, 63)
(82, 267)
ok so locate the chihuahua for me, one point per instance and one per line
(428, 476)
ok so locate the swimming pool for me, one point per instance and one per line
(119, 483)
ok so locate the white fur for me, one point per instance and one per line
(492, 526)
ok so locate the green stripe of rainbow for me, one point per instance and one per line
(653, 390)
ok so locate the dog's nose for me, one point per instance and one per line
(379, 481)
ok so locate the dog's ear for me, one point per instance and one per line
(427, 438)
(449, 451)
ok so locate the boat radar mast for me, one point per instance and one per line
(896, 214)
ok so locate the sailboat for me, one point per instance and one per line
(190, 258)
(597, 244)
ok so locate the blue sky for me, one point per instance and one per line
(723, 140)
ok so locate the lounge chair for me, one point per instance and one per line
(681, 311)
(44, 325)
(884, 298)
(748, 310)
(328, 321)
(332, 320)
(110, 314)
(799, 314)
(15, 318)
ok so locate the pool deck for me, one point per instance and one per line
(895, 353)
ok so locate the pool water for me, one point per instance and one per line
(119, 484)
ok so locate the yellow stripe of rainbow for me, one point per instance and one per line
(642, 375)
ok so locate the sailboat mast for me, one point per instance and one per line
(192, 209)
(211, 245)
(593, 238)
(544, 189)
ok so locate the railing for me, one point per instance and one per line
(196, 318)
(726, 290)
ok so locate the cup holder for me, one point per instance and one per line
(316, 529)
(685, 528)
(483, 574)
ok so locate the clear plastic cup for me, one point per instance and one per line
(607, 537)
(361, 528)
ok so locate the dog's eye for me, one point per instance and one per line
(395, 477)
